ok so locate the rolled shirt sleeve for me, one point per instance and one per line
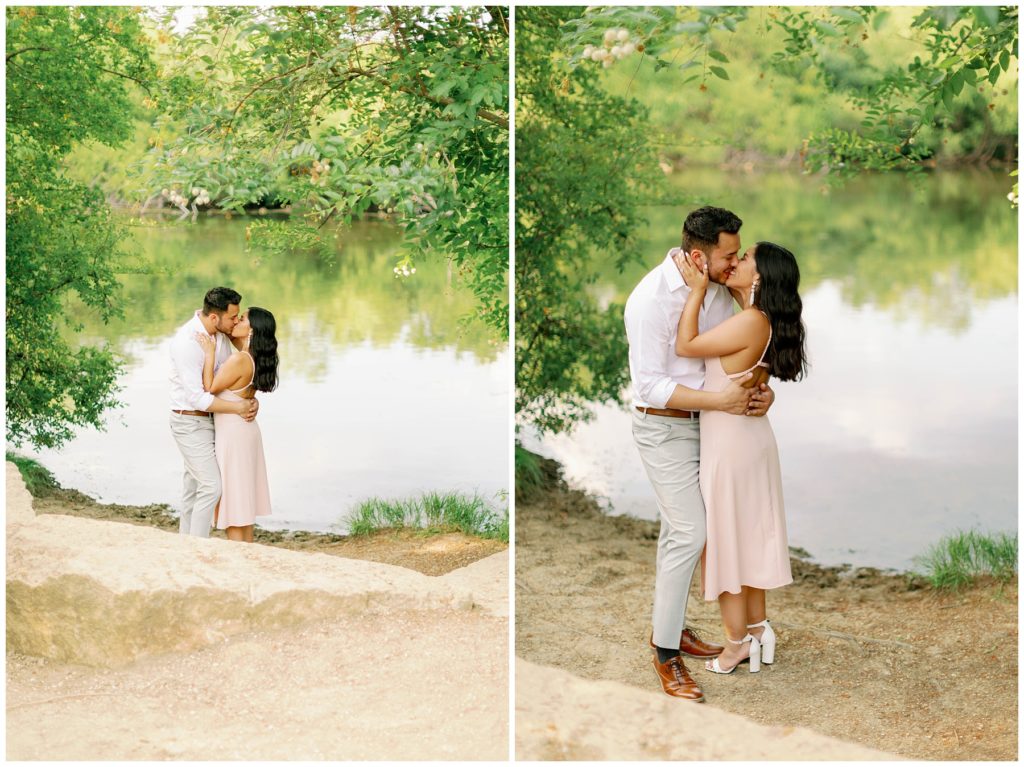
(650, 349)
(188, 358)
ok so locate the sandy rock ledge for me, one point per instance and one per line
(104, 593)
(563, 717)
(130, 643)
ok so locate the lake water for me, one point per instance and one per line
(384, 390)
(905, 429)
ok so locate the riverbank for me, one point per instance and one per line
(434, 553)
(873, 658)
(143, 645)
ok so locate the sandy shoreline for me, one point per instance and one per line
(126, 642)
(869, 657)
(434, 554)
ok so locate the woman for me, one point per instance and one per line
(245, 492)
(747, 551)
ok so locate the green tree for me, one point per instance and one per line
(69, 71)
(948, 76)
(341, 109)
(582, 172)
(582, 155)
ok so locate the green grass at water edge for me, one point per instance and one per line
(38, 480)
(430, 512)
(958, 559)
(529, 475)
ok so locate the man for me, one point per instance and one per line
(192, 407)
(667, 400)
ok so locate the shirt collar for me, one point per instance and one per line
(197, 325)
(673, 278)
(675, 281)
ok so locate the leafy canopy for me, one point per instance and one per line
(960, 49)
(581, 175)
(68, 77)
(345, 109)
(585, 160)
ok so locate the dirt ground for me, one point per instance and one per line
(868, 657)
(371, 687)
(413, 685)
(430, 554)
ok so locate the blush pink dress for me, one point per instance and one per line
(741, 482)
(245, 492)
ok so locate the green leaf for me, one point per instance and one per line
(688, 27)
(848, 15)
(987, 15)
(947, 96)
(1004, 60)
(718, 56)
(826, 29)
(880, 19)
(719, 72)
(956, 82)
(993, 75)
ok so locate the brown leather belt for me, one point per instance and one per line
(192, 412)
(669, 413)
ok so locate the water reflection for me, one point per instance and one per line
(385, 390)
(906, 427)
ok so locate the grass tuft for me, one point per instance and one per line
(432, 512)
(39, 481)
(535, 474)
(958, 559)
(529, 474)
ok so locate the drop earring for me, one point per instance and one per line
(753, 292)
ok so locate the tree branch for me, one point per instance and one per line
(484, 114)
(12, 54)
(24, 50)
(126, 77)
(234, 112)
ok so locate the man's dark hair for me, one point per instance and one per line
(703, 226)
(217, 300)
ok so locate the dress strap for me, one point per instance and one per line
(760, 362)
(253, 378)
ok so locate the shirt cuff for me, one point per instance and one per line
(204, 400)
(659, 392)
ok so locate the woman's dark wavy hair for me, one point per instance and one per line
(777, 297)
(263, 348)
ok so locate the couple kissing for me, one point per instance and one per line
(220, 359)
(707, 328)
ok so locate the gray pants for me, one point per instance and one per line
(194, 435)
(670, 451)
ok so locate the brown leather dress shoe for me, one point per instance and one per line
(692, 645)
(676, 680)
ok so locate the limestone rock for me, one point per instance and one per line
(104, 593)
(563, 717)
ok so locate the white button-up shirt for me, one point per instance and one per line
(187, 358)
(652, 323)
